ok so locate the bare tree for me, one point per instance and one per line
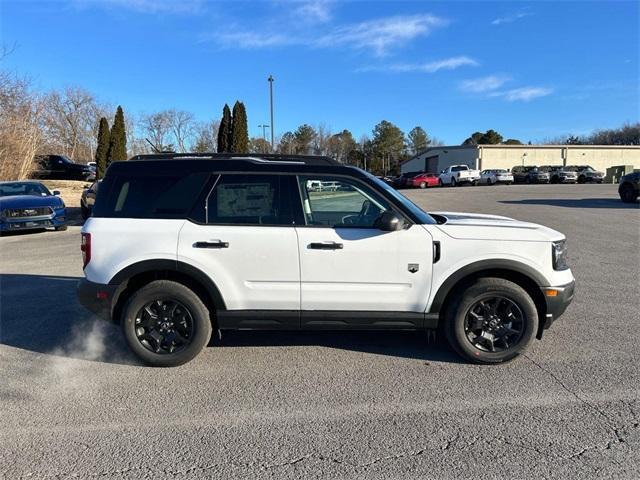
(69, 122)
(156, 128)
(206, 136)
(182, 125)
(20, 134)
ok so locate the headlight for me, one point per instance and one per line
(559, 252)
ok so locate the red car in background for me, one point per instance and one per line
(424, 180)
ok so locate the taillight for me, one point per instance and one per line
(85, 247)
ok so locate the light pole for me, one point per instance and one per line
(270, 80)
(264, 127)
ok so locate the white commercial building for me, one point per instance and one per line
(484, 157)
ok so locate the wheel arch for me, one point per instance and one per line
(134, 276)
(519, 273)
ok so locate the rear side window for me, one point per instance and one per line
(459, 169)
(239, 199)
(150, 196)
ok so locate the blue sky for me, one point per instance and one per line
(530, 70)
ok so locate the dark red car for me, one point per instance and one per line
(424, 180)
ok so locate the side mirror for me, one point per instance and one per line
(389, 221)
(56, 192)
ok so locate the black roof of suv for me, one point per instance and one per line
(252, 157)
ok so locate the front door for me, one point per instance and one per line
(248, 247)
(348, 265)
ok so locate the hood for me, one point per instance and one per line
(27, 201)
(477, 226)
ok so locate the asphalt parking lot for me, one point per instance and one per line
(75, 404)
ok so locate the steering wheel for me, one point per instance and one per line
(366, 210)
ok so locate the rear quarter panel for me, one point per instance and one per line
(117, 243)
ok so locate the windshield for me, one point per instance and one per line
(420, 214)
(23, 188)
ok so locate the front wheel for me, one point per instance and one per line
(166, 324)
(628, 194)
(492, 321)
(423, 185)
(440, 184)
(582, 179)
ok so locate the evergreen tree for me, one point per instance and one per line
(102, 151)
(118, 139)
(224, 131)
(239, 129)
(304, 137)
(418, 140)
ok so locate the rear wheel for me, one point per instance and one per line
(166, 324)
(628, 194)
(453, 182)
(440, 184)
(61, 228)
(582, 179)
(492, 321)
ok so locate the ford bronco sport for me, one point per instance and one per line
(181, 246)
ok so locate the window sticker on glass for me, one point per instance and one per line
(245, 200)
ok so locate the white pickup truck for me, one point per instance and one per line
(459, 174)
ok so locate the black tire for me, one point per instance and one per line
(61, 229)
(423, 185)
(489, 182)
(440, 184)
(628, 194)
(528, 180)
(453, 182)
(582, 179)
(458, 311)
(84, 211)
(167, 291)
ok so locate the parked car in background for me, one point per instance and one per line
(629, 187)
(559, 174)
(498, 175)
(88, 199)
(529, 174)
(424, 180)
(29, 205)
(586, 173)
(59, 167)
(402, 181)
(459, 175)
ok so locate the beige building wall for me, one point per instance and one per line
(484, 157)
(599, 157)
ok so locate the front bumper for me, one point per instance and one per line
(96, 297)
(56, 219)
(557, 302)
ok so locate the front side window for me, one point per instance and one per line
(337, 202)
(239, 199)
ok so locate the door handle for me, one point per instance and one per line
(436, 251)
(216, 244)
(326, 246)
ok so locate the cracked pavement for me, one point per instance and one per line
(75, 404)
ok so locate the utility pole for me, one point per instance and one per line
(270, 80)
(264, 127)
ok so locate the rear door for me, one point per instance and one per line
(349, 266)
(248, 246)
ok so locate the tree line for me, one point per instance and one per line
(73, 122)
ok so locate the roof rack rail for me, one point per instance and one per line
(251, 157)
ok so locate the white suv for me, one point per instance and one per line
(179, 246)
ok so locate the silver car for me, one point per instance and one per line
(498, 175)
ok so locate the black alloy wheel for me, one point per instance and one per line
(164, 326)
(494, 324)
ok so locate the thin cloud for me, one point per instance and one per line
(314, 11)
(429, 67)
(523, 94)
(484, 84)
(381, 35)
(147, 6)
(510, 18)
(377, 37)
